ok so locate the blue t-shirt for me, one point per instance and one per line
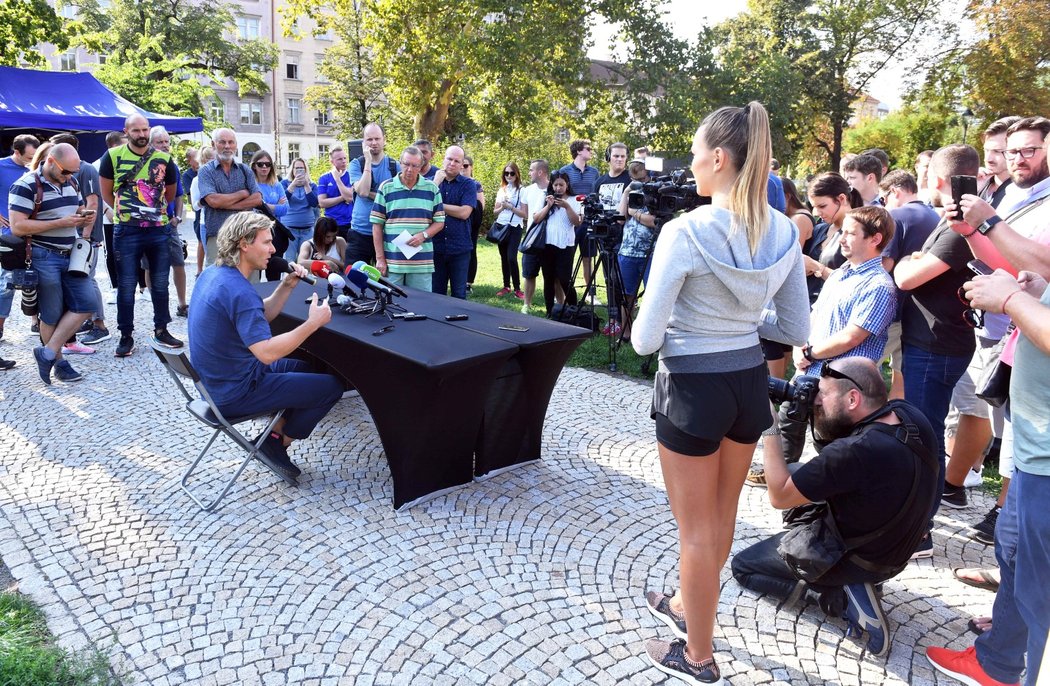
(581, 183)
(363, 204)
(341, 212)
(225, 320)
(10, 172)
(775, 193)
(454, 239)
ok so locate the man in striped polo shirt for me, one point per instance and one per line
(407, 202)
(66, 300)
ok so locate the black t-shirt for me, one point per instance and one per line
(932, 318)
(611, 188)
(866, 478)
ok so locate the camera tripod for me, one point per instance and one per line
(614, 291)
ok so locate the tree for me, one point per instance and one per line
(25, 24)
(164, 54)
(903, 134)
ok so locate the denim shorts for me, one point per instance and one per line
(59, 291)
(177, 260)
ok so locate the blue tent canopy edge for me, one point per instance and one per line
(71, 101)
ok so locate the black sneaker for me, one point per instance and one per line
(954, 496)
(65, 372)
(95, 336)
(6, 364)
(125, 347)
(275, 457)
(984, 531)
(35, 328)
(669, 658)
(660, 607)
(182, 311)
(166, 339)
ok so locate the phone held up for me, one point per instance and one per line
(962, 185)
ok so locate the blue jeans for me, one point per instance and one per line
(7, 295)
(451, 269)
(1021, 612)
(300, 234)
(929, 379)
(130, 244)
(290, 385)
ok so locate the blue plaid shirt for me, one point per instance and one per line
(864, 295)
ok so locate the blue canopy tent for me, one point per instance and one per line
(32, 101)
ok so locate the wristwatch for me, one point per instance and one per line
(988, 224)
(425, 236)
(807, 352)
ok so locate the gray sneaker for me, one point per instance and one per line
(660, 607)
(95, 336)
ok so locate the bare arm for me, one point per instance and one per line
(458, 211)
(782, 490)
(273, 349)
(916, 269)
(22, 225)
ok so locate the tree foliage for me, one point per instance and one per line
(25, 24)
(904, 134)
(163, 54)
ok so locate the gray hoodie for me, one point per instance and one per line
(708, 295)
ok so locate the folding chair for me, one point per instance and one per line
(205, 410)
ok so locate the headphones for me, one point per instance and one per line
(608, 150)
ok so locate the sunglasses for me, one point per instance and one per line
(467, 165)
(509, 173)
(973, 318)
(264, 164)
(826, 372)
(62, 170)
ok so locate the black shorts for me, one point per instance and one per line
(704, 408)
(530, 266)
(774, 350)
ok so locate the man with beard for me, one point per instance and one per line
(876, 478)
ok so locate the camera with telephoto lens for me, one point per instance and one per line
(603, 223)
(799, 396)
(665, 196)
(24, 279)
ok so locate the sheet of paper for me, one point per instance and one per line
(402, 244)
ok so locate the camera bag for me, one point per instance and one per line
(16, 251)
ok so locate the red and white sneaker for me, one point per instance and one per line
(962, 665)
(502, 292)
(520, 295)
(611, 329)
(77, 348)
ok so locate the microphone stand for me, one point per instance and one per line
(384, 304)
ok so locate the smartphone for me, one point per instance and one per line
(978, 267)
(86, 213)
(512, 327)
(962, 185)
(456, 317)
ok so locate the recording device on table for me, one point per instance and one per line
(962, 185)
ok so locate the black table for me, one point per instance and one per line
(451, 400)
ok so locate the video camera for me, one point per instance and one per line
(799, 395)
(665, 196)
(602, 223)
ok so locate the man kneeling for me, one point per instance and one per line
(876, 481)
(240, 363)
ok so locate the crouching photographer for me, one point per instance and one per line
(858, 509)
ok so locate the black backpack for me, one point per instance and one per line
(393, 170)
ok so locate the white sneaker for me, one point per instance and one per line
(973, 479)
(144, 295)
(111, 296)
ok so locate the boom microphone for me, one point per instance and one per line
(284, 266)
(377, 276)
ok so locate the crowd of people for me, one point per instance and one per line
(871, 264)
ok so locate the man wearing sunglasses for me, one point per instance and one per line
(876, 472)
(66, 300)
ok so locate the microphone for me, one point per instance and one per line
(377, 276)
(361, 281)
(320, 268)
(283, 265)
(336, 281)
(342, 299)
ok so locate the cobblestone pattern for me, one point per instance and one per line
(535, 576)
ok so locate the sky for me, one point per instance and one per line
(685, 16)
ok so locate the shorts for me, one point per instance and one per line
(893, 346)
(964, 395)
(774, 350)
(59, 291)
(178, 258)
(530, 266)
(588, 247)
(703, 408)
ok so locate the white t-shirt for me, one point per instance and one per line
(515, 195)
(533, 197)
(560, 231)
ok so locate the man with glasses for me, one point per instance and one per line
(139, 181)
(411, 203)
(66, 300)
(876, 472)
(583, 179)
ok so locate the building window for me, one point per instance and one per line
(294, 107)
(102, 59)
(319, 69)
(291, 69)
(248, 150)
(324, 117)
(323, 150)
(68, 61)
(248, 27)
(217, 110)
(251, 113)
(293, 153)
(69, 11)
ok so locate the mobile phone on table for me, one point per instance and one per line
(512, 327)
(455, 317)
(980, 268)
(962, 185)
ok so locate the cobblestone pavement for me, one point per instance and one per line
(535, 576)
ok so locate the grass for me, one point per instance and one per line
(29, 656)
(593, 354)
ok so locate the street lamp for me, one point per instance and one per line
(965, 117)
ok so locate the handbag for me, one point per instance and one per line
(13, 251)
(497, 233)
(993, 385)
(535, 240)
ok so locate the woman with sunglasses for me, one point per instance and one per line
(714, 271)
(831, 197)
(276, 200)
(303, 209)
(512, 211)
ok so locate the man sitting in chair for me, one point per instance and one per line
(240, 362)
